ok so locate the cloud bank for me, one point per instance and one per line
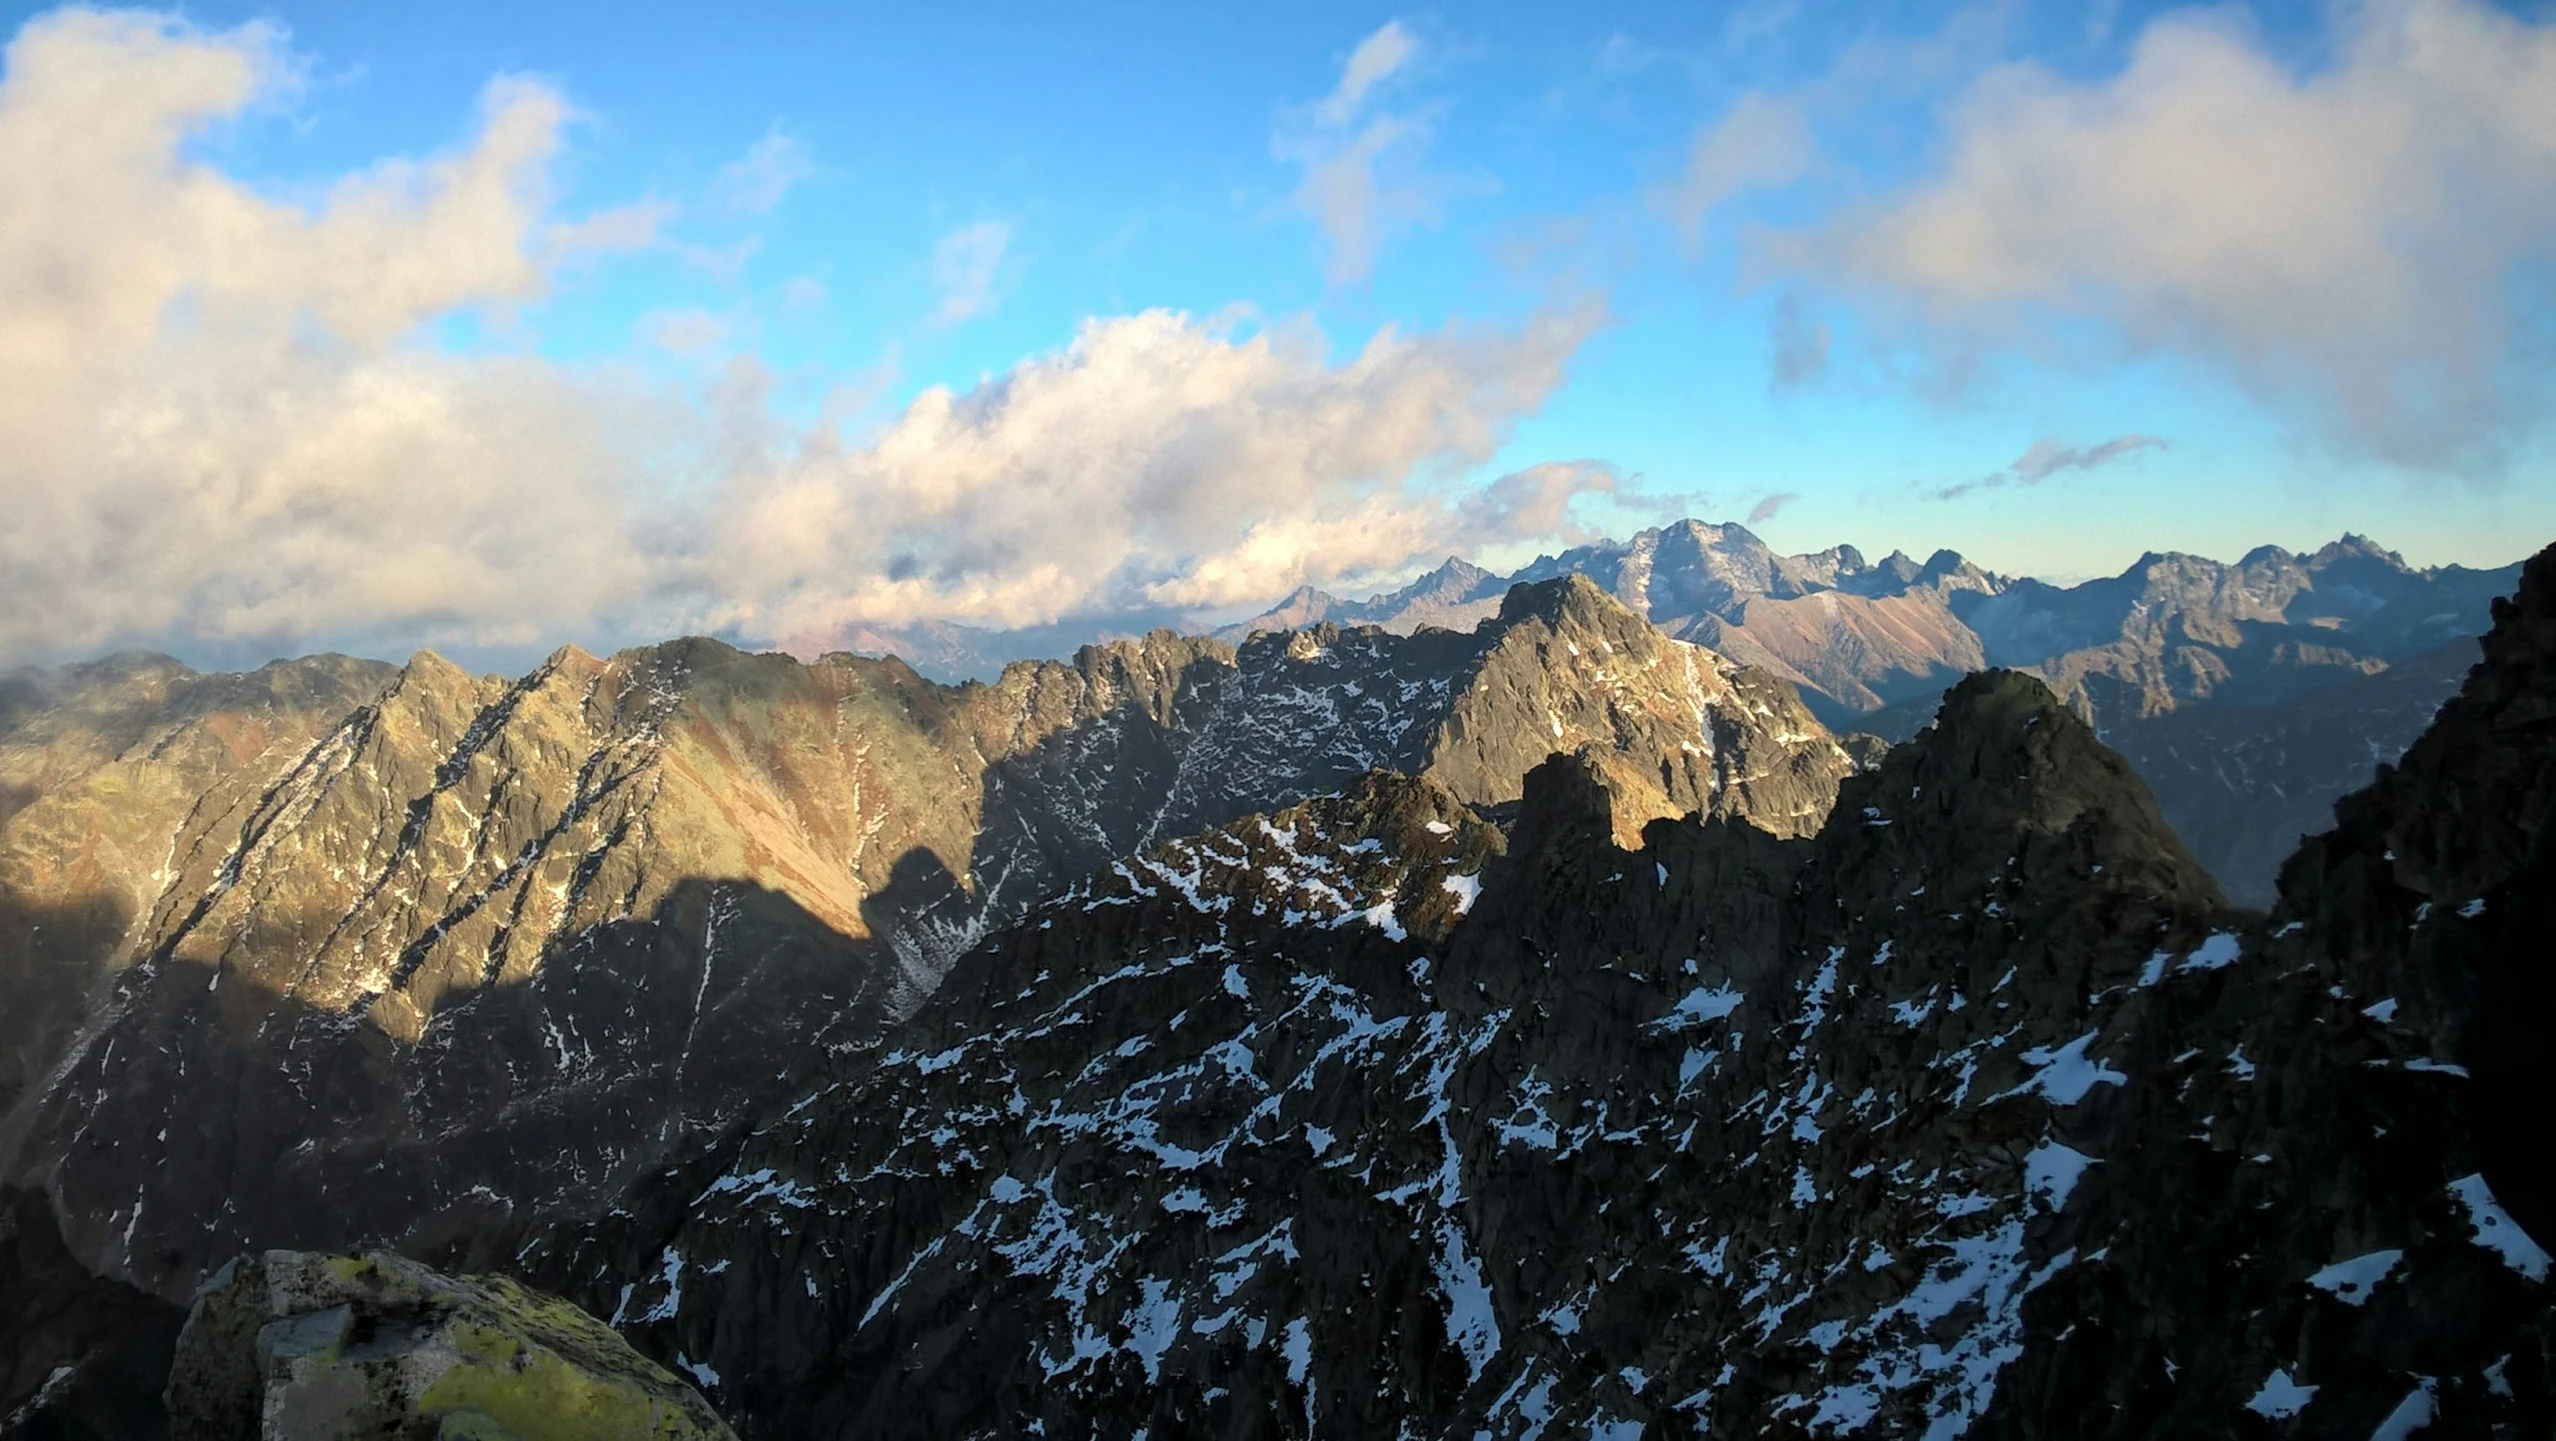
(2359, 242)
(207, 424)
(1157, 461)
(223, 421)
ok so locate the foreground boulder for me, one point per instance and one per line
(295, 1345)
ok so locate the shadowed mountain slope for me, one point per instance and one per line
(484, 947)
(1974, 1112)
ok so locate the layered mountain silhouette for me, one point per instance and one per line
(2250, 696)
(2285, 651)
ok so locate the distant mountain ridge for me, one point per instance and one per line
(2275, 658)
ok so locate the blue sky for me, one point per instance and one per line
(828, 212)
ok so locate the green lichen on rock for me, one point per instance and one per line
(291, 1345)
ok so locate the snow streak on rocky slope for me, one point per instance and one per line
(101, 766)
(1975, 1112)
(481, 947)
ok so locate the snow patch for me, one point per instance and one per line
(2351, 1281)
(2052, 1171)
(1152, 1323)
(2281, 1397)
(2412, 1414)
(1465, 889)
(2495, 1229)
(2219, 951)
(2066, 1074)
(1702, 1005)
(1470, 1323)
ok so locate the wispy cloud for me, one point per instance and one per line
(967, 269)
(755, 183)
(1771, 506)
(1376, 59)
(801, 294)
(1762, 140)
(1799, 345)
(688, 331)
(2046, 457)
(1362, 178)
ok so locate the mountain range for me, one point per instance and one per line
(1977, 1111)
(1545, 1024)
(2282, 648)
(476, 946)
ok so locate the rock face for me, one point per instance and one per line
(481, 946)
(1974, 1112)
(291, 1346)
(2175, 629)
(1237, 1134)
(101, 766)
(2348, 1090)
(2243, 783)
(82, 1358)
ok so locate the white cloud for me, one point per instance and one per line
(636, 226)
(209, 424)
(967, 267)
(223, 419)
(755, 182)
(1156, 461)
(2354, 241)
(1362, 180)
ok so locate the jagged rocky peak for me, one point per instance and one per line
(2004, 755)
(525, 931)
(1678, 728)
(101, 765)
(2459, 814)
